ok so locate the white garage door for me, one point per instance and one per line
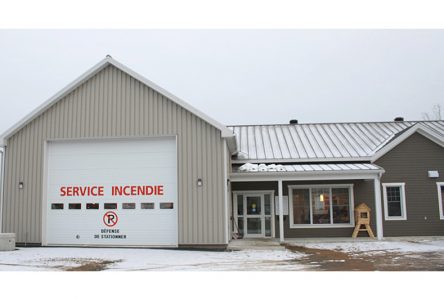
(112, 192)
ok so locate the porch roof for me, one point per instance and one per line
(257, 172)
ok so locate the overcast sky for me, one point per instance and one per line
(240, 76)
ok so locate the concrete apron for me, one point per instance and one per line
(255, 244)
(274, 244)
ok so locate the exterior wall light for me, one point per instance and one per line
(433, 174)
(199, 182)
(21, 185)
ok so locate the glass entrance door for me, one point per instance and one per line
(254, 214)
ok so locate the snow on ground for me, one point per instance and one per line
(377, 247)
(34, 259)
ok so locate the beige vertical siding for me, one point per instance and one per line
(113, 104)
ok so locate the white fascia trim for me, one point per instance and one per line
(311, 175)
(302, 160)
(62, 93)
(417, 128)
(403, 217)
(441, 212)
(225, 132)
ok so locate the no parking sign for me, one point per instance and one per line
(110, 218)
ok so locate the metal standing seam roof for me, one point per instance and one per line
(312, 168)
(318, 142)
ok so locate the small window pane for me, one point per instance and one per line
(129, 205)
(75, 206)
(240, 205)
(254, 205)
(57, 206)
(240, 226)
(92, 205)
(301, 206)
(442, 197)
(166, 205)
(394, 209)
(110, 205)
(267, 204)
(254, 225)
(321, 205)
(268, 227)
(147, 205)
(341, 209)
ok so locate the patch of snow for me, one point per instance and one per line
(379, 247)
(249, 167)
(150, 259)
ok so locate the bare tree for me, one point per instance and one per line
(436, 113)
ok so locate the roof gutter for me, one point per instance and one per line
(308, 175)
(303, 160)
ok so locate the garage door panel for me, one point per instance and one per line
(111, 177)
(115, 160)
(107, 163)
(154, 144)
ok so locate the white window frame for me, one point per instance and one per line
(403, 216)
(441, 212)
(331, 186)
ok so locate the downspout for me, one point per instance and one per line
(2, 172)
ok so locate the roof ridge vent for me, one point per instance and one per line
(293, 122)
(399, 119)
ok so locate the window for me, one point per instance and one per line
(129, 205)
(441, 199)
(92, 205)
(110, 206)
(394, 201)
(148, 205)
(75, 206)
(57, 206)
(321, 206)
(166, 205)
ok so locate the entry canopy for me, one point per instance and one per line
(258, 172)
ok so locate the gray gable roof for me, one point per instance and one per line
(320, 142)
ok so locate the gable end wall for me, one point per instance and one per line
(409, 162)
(113, 104)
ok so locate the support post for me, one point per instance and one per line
(378, 208)
(2, 180)
(281, 212)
